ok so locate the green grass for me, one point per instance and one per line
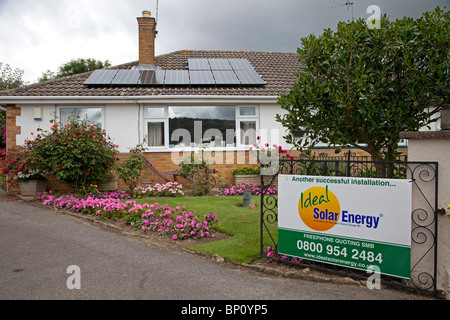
(241, 224)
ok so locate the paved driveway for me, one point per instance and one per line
(38, 246)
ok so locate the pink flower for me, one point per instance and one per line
(175, 237)
(255, 144)
(68, 125)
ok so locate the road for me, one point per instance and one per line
(38, 246)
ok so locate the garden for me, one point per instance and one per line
(82, 155)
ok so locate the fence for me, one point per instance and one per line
(424, 177)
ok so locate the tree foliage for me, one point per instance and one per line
(74, 66)
(361, 87)
(10, 78)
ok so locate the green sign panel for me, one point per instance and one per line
(392, 260)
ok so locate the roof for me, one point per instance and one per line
(276, 69)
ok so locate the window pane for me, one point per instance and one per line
(155, 134)
(247, 111)
(155, 112)
(93, 115)
(202, 125)
(248, 132)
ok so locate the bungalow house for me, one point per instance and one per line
(179, 102)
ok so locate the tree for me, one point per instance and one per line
(361, 87)
(10, 78)
(74, 66)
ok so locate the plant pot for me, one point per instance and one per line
(31, 188)
(109, 184)
(247, 178)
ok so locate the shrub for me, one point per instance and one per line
(162, 219)
(15, 165)
(198, 172)
(245, 170)
(77, 153)
(130, 170)
(169, 189)
(238, 189)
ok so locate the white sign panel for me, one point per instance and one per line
(353, 222)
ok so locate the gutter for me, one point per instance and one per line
(177, 99)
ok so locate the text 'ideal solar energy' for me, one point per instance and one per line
(201, 72)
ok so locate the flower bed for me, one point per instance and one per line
(174, 222)
(169, 189)
(238, 189)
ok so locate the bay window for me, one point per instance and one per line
(171, 127)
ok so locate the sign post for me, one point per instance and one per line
(350, 222)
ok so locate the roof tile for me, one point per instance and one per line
(276, 68)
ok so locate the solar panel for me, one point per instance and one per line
(198, 64)
(249, 77)
(160, 76)
(220, 64)
(101, 77)
(177, 77)
(147, 77)
(225, 77)
(201, 72)
(240, 64)
(201, 77)
(126, 77)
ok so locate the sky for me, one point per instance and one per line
(36, 36)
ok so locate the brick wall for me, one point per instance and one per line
(12, 130)
(224, 163)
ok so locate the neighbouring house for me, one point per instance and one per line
(184, 101)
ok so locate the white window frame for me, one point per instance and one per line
(165, 120)
(239, 119)
(101, 107)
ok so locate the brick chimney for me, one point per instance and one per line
(147, 29)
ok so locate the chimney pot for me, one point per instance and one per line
(146, 14)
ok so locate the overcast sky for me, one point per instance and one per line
(36, 36)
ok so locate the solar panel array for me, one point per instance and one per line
(201, 72)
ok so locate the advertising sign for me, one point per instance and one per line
(350, 222)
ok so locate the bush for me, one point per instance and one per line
(77, 153)
(175, 222)
(196, 170)
(130, 170)
(169, 189)
(15, 165)
(245, 170)
(238, 189)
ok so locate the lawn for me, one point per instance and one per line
(241, 224)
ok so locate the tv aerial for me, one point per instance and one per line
(348, 4)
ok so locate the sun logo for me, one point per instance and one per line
(319, 208)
